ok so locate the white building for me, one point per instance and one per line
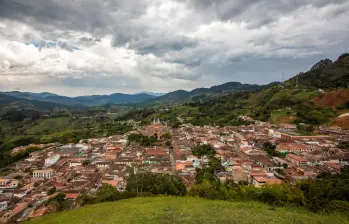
(44, 173)
(51, 160)
(75, 163)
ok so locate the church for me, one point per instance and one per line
(156, 129)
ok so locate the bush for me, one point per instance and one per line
(208, 190)
(106, 193)
(51, 191)
(337, 206)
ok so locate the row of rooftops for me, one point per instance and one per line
(237, 147)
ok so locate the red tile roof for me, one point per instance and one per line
(71, 195)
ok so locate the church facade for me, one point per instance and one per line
(156, 129)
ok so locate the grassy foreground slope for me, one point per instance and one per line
(185, 210)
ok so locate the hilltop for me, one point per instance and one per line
(186, 210)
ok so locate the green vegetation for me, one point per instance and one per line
(204, 149)
(186, 210)
(276, 195)
(207, 172)
(344, 145)
(7, 159)
(106, 193)
(141, 139)
(344, 106)
(282, 116)
(155, 184)
(327, 193)
(51, 190)
(59, 203)
(269, 148)
(330, 76)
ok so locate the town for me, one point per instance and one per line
(257, 154)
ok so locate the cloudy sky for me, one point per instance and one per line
(83, 47)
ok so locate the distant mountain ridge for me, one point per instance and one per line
(143, 98)
(181, 96)
(12, 103)
(93, 100)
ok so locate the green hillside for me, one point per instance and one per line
(186, 210)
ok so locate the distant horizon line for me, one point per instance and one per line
(137, 93)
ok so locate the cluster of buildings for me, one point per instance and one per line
(76, 169)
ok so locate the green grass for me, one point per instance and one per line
(49, 125)
(282, 116)
(186, 210)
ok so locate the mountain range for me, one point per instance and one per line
(144, 98)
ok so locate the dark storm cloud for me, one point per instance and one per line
(255, 12)
(90, 16)
(160, 45)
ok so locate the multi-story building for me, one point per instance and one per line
(44, 173)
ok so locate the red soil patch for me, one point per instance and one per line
(332, 99)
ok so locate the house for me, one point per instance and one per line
(75, 163)
(44, 173)
(8, 183)
(297, 160)
(40, 212)
(67, 151)
(303, 171)
(128, 161)
(260, 181)
(183, 165)
(8, 216)
(28, 188)
(72, 196)
(292, 147)
(103, 164)
(264, 162)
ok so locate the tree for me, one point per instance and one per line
(166, 136)
(59, 202)
(18, 177)
(269, 148)
(344, 145)
(106, 193)
(202, 150)
(51, 191)
(155, 183)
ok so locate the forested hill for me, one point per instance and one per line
(325, 75)
(11, 103)
(203, 94)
